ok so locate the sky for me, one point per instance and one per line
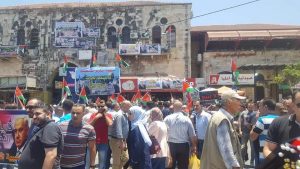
(284, 12)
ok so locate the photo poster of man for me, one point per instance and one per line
(14, 127)
(98, 80)
(75, 35)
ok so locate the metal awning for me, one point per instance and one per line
(286, 34)
(223, 36)
(254, 35)
(261, 66)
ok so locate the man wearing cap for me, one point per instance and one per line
(221, 147)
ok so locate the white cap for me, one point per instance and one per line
(231, 94)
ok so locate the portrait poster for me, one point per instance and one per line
(98, 80)
(14, 127)
(129, 49)
(150, 49)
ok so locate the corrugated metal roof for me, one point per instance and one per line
(92, 4)
(243, 27)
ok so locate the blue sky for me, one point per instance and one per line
(285, 12)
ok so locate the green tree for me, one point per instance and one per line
(290, 76)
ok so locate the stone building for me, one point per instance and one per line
(34, 40)
(261, 51)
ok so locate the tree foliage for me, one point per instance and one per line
(290, 75)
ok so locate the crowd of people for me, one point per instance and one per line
(153, 135)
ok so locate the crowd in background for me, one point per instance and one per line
(153, 135)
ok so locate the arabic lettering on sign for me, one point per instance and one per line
(226, 79)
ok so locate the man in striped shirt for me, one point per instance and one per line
(77, 135)
(260, 129)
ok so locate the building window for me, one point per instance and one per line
(21, 37)
(171, 36)
(34, 38)
(126, 35)
(156, 35)
(111, 38)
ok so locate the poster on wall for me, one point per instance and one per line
(129, 49)
(14, 127)
(75, 35)
(150, 83)
(150, 49)
(98, 80)
(85, 54)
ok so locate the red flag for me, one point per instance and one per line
(189, 97)
(66, 59)
(146, 97)
(118, 58)
(189, 106)
(136, 97)
(93, 61)
(185, 85)
(169, 30)
(112, 97)
(98, 100)
(233, 64)
(120, 98)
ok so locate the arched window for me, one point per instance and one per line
(34, 38)
(21, 37)
(171, 36)
(111, 38)
(156, 35)
(126, 35)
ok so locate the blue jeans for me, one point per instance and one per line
(102, 150)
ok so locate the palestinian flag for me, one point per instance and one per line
(146, 98)
(120, 98)
(93, 61)
(121, 61)
(66, 87)
(233, 65)
(136, 97)
(20, 96)
(112, 98)
(82, 95)
(185, 86)
(65, 66)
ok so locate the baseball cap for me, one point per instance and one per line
(231, 94)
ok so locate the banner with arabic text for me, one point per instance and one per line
(98, 80)
(226, 79)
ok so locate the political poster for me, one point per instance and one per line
(129, 49)
(150, 49)
(75, 35)
(98, 80)
(14, 127)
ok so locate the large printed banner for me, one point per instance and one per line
(75, 35)
(226, 79)
(129, 49)
(98, 80)
(14, 127)
(150, 49)
(136, 49)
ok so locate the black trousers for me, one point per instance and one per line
(180, 155)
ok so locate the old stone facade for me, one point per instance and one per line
(261, 51)
(31, 31)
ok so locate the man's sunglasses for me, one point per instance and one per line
(101, 106)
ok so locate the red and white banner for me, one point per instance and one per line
(129, 85)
